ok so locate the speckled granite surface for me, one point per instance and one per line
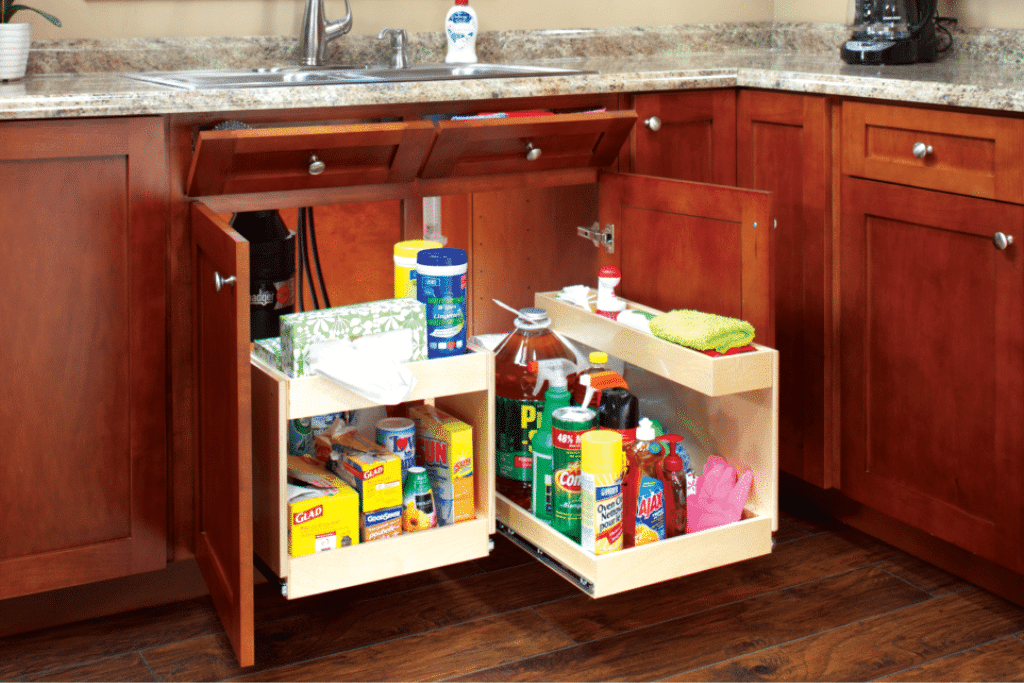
(982, 71)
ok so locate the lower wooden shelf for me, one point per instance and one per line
(601, 575)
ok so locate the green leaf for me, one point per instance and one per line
(10, 10)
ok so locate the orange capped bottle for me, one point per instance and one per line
(519, 401)
(600, 378)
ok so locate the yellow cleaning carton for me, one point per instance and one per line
(444, 444)
(321, 519)
(372, 470)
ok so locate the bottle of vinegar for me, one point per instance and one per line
(518, 407)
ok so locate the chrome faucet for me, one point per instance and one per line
(399, 38)
(317, 31)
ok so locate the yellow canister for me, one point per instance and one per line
(601, 491)
(405, 265)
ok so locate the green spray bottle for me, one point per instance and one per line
(556, 372)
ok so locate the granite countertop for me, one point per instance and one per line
(749, 60)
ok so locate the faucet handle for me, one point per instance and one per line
(399, 38)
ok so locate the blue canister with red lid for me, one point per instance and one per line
(441, 286)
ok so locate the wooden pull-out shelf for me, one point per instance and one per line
(725, 405)
(462, 385)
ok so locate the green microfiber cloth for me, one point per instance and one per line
(702, 331)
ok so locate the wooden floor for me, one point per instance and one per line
(829, 604)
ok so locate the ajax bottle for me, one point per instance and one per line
(644, 498)
(556, 372)
(517, 408)
(601, 491)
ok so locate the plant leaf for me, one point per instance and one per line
(11, 10)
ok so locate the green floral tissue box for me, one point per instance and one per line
(299, 331)
(269, 351)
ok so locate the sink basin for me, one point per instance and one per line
(335, 75)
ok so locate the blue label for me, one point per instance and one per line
(445, 299)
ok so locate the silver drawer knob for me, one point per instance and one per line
(533, 153)
(921, 150)
(316, 167)
(219, 281)
(1002, 241)
(654, 123)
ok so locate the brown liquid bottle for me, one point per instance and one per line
(517, 407)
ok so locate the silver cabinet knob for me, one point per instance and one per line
(219, 281)
(654, 123)
(921, 150)
(532, 153)
(316, 167)
(1002, 241)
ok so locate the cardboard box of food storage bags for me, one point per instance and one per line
(323, 511)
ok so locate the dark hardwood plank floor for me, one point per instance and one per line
(829, 604)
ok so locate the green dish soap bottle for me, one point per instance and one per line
(556, 372)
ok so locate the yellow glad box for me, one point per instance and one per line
(376, 476)
(326, 522)
(444, 444)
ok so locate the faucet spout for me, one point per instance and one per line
(317, 31)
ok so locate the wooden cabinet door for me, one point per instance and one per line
(223, 496)
(694, 137)
(692, 245)
(783, 143)
(83, 401)
(931, 364)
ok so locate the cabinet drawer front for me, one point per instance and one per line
(970, 154)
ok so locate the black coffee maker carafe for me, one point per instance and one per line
(891, 32)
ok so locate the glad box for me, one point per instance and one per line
(444, 444)
(322, 519)
(376, 477)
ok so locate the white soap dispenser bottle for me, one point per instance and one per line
(460, 28)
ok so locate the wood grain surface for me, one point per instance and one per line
(829, 603)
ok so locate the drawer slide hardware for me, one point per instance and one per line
(599, 236)
(563, 571)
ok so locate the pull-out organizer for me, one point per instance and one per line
(462, 385)
(725, 405)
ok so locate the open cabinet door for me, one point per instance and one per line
(224, 424)
(690, 245)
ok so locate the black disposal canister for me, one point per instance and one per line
(271, 270)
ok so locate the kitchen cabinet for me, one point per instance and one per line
(237, 480)
(784, 146)
(83, 205)
(932, 324)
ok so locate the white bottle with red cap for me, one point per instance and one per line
(460, 27)
(608, 304)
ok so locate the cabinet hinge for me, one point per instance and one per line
(599, 236)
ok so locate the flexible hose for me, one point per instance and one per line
(316, 258)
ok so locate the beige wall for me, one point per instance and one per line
(969, 13)
(154, 18)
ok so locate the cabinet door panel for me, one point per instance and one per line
(224, 425)
(696, 140)
(932, 369)
(83, 413)
(692, 245)
(784, 147)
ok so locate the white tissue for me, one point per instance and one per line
(578, 295)
(370, 366)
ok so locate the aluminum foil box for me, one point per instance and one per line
(300, 331)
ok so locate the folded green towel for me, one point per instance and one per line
(702, 331)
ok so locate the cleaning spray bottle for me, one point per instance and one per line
(460, 27)
(555, 372)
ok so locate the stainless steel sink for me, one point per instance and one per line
(335, 75)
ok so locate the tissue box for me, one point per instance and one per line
(322, 519)
(299, 331)
(444, 445)
(269, 351)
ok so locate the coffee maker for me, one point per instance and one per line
(891, 32)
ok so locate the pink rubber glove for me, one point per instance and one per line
(719, 497)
